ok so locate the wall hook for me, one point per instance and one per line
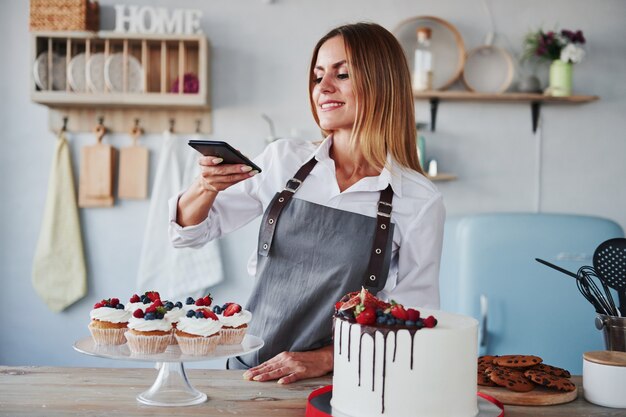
(172, 122)
(198, 122)
(136, 131)
(64, 127)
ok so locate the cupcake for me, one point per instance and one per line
(109, 322)
(198, 332)
(234, 321)
(149, 332)
(142, 301)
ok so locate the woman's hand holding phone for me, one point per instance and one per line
(222, 165)
(217, 176)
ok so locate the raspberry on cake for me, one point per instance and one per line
(149, 332)
(198, 332)
(234, 320)
(397, 361)
(108, 323)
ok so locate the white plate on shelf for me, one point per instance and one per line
(87, 346)
(114, 74)
(76, 73)
(446, 45)
(94, 70)
(488, 69)
(40, 71)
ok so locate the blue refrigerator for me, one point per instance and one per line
(488, 271)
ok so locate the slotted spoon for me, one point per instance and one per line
(609, 262)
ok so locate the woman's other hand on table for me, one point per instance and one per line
(288, 367)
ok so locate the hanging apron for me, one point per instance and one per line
(309, 256)
(159, 261)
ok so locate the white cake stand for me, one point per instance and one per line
(171, 387)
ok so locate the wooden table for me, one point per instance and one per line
(90, 392)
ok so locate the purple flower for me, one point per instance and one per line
(541, 50)
(568, 34)
(578, 37)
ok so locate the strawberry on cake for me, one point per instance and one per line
(109, 322)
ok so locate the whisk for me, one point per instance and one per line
(587, 286)
(585, 281)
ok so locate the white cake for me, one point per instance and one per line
(393, 372)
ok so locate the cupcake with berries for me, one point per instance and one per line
(109, 322)
(234, 320)
(198, 332)
(142, 301)
(149, 332)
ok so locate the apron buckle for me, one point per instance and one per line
(384, 209)
(293, 185)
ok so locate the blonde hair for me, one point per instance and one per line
(385, 120)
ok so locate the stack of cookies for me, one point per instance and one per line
(522, 373)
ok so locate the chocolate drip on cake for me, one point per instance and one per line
(412, 333)
(349, 340)
(340, 333)
(371, 331)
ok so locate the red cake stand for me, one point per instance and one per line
(318, 404)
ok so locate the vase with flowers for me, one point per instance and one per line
(562, 49)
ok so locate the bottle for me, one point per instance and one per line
(421, 145)
(423, 65)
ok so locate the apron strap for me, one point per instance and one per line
(375, 276)
(277, 204)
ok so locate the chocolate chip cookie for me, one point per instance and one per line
(509, 378)
(550, 381)
(517, 361)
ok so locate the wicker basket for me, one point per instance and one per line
(64, 15)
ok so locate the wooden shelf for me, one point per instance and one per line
(508, 97)
(163, 59)
(442, 177)
(535, 100)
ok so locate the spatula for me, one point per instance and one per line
(609, 262)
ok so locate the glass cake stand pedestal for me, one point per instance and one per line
(171, 387)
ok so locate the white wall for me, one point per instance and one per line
(260, 54)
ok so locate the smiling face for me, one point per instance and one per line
(332, 93)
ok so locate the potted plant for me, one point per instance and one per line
(562, 49)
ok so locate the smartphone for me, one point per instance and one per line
(222, 150)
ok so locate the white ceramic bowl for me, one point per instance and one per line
(605, 384)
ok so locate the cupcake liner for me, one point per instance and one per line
(198, 346)
(112, 336)
(232, 336)
(147, 344)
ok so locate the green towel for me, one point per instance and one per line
(59, 273)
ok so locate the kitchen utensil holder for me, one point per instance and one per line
(614, 331)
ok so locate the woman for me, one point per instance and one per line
(362, 212)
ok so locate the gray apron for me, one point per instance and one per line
(309, 257)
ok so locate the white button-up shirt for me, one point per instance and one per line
(418, 213)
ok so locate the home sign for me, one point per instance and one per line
(145, 19)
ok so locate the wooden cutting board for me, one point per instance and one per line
(95, 185)
(133, 171)
(538, 396)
